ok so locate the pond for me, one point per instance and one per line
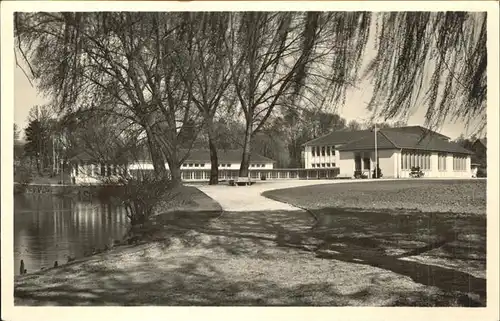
(48, 229)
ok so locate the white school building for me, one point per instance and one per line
(87, 169)
(398, 150)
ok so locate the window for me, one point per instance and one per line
(184, 165)
(202, 165)
(459, 163)
(198, 175)
(196, 165)
(313, 165)
(103, 170)
(366, 163)
(328, 151)
(191, 165)
(323, 165)
(442, 162)
(323, 151)
(333, 164)
(313, 151)
(411, 159)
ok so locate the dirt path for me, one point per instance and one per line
(249, 198)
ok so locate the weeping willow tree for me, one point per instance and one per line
(431, 60)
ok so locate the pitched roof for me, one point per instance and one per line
(345, 136)
(482, 141)
(229, 156)
(390, 139)
(195, 155)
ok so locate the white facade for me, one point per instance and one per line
(394, 165)
(321, 157)
(87, 173)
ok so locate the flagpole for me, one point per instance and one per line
(376, 156)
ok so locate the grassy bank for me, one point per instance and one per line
(431, 196)
(435, 224)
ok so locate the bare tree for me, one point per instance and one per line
(276, 55)
(206, 71)
(353, 125)
(118, 61)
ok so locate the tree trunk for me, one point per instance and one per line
(214, 160)
(245, 158)
(157, 157)
(175, 171)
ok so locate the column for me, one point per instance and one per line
(434, 171)
(468, 168)
(449, 165)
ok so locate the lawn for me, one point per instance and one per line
(434, 224)
(201, 269)
(432, 196)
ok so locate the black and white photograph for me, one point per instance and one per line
(216, 154)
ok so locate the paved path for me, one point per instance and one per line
(249, 198)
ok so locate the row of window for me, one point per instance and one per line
(257, 165)
(318, 165)
(323, 150)
(103, 170)
(193, 165)
(415, 159)
(459, 163)
(220, 165)
(423, 160)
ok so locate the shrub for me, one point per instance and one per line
(481, 172)
(416, 172)
(360, 174)
(141, 196)
(22, 175)
(377, 174)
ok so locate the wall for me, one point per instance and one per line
(309, 160)
(434, 172)
(193, 173)
(387, 162)
(345, 162)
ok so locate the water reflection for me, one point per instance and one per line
(48, 228)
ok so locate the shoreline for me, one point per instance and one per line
(188, 200)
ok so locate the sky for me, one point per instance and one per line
(26, 96)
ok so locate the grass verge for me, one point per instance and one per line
(434, 224)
